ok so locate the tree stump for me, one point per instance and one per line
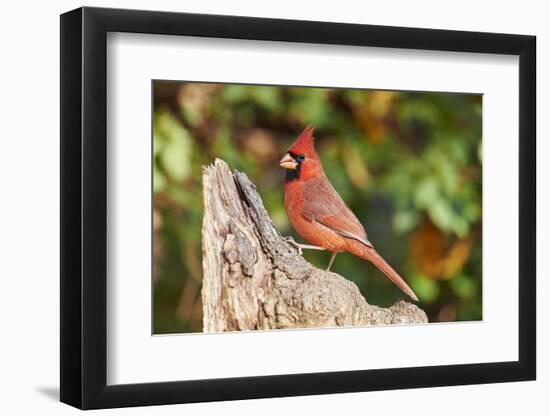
(254, 279)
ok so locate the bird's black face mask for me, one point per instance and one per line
(294, 173)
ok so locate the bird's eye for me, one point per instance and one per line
(301, 157)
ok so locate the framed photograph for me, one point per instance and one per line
(258, 208)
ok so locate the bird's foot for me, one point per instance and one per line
(301, 246)
(292, 242)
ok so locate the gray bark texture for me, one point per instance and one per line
(255, 279)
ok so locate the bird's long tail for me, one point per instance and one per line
(370, 254)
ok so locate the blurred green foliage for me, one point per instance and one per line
(408, 164)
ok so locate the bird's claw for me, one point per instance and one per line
(292, 242)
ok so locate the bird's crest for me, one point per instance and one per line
(304, 143)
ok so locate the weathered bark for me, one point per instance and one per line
(255, 279)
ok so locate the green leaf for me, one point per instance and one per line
(463, 286)
(405, 221)
(174, 146)
(426, 193)
(269, 98)
(234, 93)
(426, 289)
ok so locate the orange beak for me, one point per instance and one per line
(288, 162)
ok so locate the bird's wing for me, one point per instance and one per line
(323, 205)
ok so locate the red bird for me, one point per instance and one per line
(319, 214)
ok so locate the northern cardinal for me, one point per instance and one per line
(319, 214)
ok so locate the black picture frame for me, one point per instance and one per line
(84, 207)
